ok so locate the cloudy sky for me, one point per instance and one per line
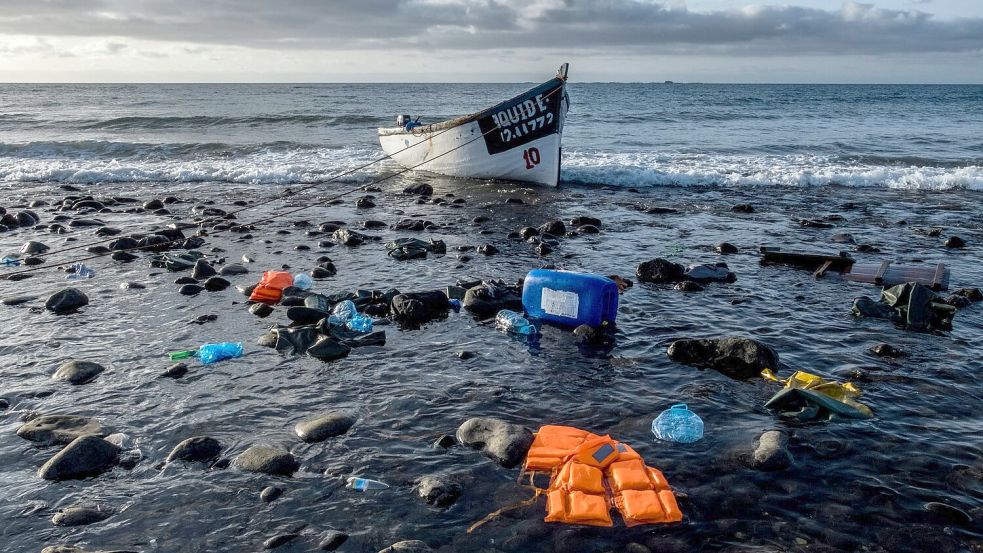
(904, 41)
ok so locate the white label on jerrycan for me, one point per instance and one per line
(560, 303)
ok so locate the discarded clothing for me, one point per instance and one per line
(177, 261)
(809, 397)
(414, 248)
(419, 307)
(705, 273)
(489, 297)
(592, 473)
(323, 342)
(911, 304)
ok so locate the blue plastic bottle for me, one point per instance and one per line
(303, 281)
(211, 353)
(678, 424)
(510, 321)
(364, 484)
(569, 299)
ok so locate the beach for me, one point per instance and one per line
(906, 479)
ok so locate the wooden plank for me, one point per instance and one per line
(937, 278)
(821, 272)
(879, 276)
(812, 261)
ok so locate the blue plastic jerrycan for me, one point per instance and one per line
(570, 299)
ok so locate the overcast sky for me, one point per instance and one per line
(903, 41)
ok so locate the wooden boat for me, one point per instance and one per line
(518, 139)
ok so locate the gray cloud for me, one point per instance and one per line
(624, 25)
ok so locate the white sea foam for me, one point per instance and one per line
(282, 163)
(645, 169)
(260, 167)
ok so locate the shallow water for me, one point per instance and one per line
(855, 485)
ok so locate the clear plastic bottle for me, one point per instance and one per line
(343, 312)
(303, 281)
(81, 271)
(212, 353)
(678, 424)
(363, 484)
(510, 321)
(360, 323)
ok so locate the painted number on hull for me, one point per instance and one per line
(532, 157)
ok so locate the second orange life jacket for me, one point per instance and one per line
(271, 286)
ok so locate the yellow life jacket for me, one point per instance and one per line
(591, 474)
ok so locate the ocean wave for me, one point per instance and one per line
(641, 170)
(109, 150)
(89, 162)
(261, 167)
(206, 121)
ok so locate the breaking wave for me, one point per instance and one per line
(108, 162)
(642, 170)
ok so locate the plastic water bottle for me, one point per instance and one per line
(303, 281)
(360, 323)
(342, 313)
(510, 321)
(678, 424)
(211, 353)
(363, 484)
(80, 272)
(10, 261)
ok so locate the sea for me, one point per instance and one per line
(880, 173)
(630, 135)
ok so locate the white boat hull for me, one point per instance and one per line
(520, 141)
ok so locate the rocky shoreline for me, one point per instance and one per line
(262, 445)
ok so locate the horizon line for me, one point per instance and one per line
(664, 82)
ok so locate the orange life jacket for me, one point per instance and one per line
(591, 474)
(270, 287)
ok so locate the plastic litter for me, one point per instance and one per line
(678, 424)
(342, 313)
(10, 261)
(303, 281)
(346, 314)
(513, 322)
(455, 304)
(569, 299)
(81, 271)
(360, 323)
(365, 484)
(210, 353)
